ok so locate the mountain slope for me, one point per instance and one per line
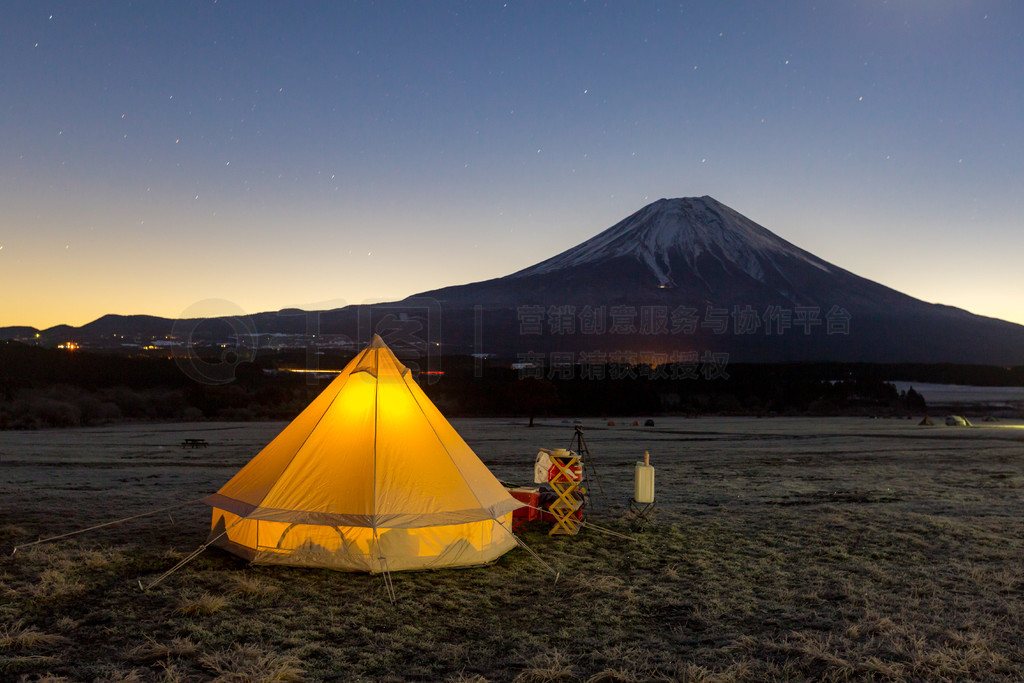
(746, 292)
(692, 249)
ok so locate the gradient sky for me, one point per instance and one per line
(155, 155)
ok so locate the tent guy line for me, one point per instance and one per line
(188, 558)
(100, 526)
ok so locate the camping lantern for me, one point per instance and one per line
(643, 480)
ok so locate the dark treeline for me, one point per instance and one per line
(47, 387)
(783, 389)
(21, 365)
(54, 388)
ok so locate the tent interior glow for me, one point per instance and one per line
(369, 477)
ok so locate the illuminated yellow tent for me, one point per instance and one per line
(369, 477)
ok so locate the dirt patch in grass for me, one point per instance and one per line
(778, 549)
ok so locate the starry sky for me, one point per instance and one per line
(204, 158)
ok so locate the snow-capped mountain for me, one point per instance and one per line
(721, 281)
(692, 250)
(686, 228)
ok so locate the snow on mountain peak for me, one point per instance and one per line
(689, 228)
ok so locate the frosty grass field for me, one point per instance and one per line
(784, 548)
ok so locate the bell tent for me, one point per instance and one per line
(369, 477)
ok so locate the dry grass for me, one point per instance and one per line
(65, 623)
(52, 678)
(613, 676)
(130, 676)
(203, 604)
(17, 636)
(462, 677)
(771, 555)
(249, 585)
(54, 584)
(250, 664)
(152, 651)
(548, 667)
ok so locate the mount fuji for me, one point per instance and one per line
(677, 235)
(708, 278)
